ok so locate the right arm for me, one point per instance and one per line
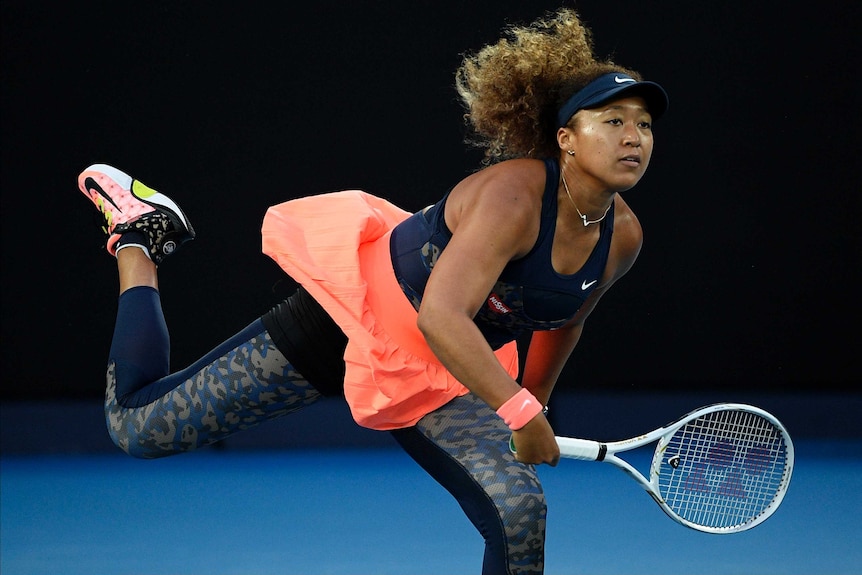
(494, 217)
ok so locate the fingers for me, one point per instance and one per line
(552, 460)
(535, 443)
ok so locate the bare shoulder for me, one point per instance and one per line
(512, 178)
(509, 192)
(627, 239)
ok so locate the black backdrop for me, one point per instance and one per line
(750, 207)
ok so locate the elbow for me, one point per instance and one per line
(433, 322)
(425, 322)
(440, 326)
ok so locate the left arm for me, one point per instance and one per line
(550, 350)
(546, 356)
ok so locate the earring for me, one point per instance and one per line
(570, 152)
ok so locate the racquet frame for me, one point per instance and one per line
(588, 450)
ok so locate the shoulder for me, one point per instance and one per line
(519, 168)
(522, 175)
(627, 238)
(508, 183)
(505, 197)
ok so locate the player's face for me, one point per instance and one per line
(613, 143)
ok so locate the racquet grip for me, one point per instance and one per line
(583, 449)
(572, 448)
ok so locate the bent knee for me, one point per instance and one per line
(140, 447)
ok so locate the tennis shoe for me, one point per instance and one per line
(127, 204)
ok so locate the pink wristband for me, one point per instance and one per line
(520, 409)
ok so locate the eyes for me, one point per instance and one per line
(643, 124)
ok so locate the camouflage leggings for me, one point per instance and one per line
(464, 445)
(247, 380)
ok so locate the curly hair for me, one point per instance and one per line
(513, 89)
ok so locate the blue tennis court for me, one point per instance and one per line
(369, 509)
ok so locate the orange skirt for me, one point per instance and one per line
(336, 246)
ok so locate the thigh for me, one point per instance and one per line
(238, 385)
(464, 446)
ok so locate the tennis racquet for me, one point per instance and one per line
(723, 468)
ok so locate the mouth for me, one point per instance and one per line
(631, 160)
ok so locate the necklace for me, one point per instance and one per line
(583, 217)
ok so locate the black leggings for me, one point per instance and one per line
(284, 361)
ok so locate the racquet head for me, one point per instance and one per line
(723, 468)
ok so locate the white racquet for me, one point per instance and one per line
(723, 468)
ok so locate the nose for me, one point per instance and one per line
(631, 136)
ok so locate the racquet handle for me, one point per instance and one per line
(583, 449)
(573, 448)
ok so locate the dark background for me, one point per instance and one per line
(747, 279)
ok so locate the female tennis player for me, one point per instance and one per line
(413, 318)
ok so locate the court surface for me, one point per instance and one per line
(364, 511)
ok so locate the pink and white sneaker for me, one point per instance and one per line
(127, 204)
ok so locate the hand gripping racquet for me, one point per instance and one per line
(723, 468)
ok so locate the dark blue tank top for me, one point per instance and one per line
(529, 295)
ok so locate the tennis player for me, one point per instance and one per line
(413, 318)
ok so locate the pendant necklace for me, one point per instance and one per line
(583, 217)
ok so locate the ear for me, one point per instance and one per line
(566, 139)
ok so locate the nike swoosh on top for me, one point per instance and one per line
(586, 285)
(91, 185)
(619, 80)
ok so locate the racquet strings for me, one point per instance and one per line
(723, 469)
